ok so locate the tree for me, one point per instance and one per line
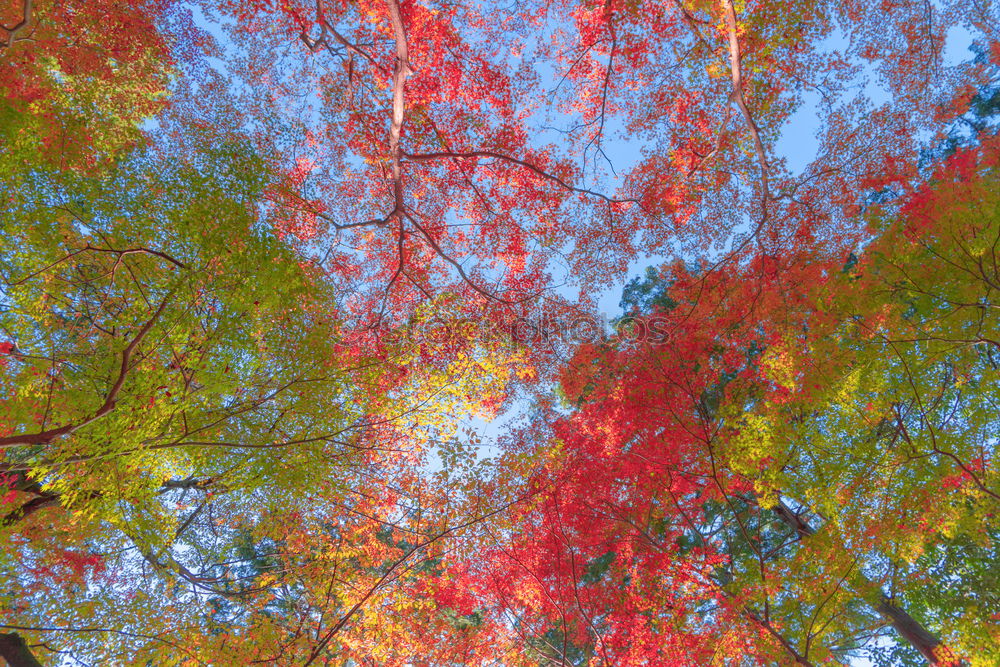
(895, 394)
(161, 349)
(818, 432)
(410, 132)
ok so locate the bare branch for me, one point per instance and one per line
(90, 248)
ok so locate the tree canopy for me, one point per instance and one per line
(304, 357)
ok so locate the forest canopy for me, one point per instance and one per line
(307, 357)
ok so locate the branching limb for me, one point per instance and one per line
(391, 574)
(785, 644)
(114, 251)
(110, 399)
(27, 509)
(736, 70)
(458, 267)
(26, 10)
(459, 155)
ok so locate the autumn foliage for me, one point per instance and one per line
(302, 357)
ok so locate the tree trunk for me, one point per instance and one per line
(908, 628)
(15, 651)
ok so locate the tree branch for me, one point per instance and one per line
(458, 267)
(45, 437)
(459, 155)
(400, 72)
(736, 70)
(908, 628)
(12, 31)
(328, 637)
